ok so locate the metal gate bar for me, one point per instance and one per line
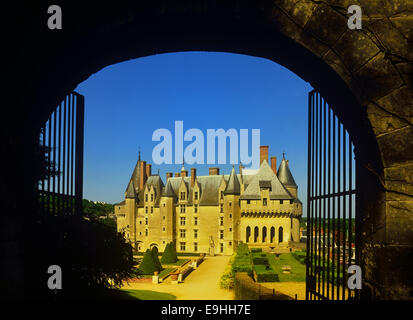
(61, 139)
(331, 189)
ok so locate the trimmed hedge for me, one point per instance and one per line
(300, 256)
(242, 249)
(260, 261)
(265, 275)
(155, 258)
(255, 250)
(169, 254)
(148, 265)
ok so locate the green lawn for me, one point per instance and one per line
(121, 294)
(297, 269)
(147, 295)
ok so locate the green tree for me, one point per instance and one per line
(155, 258)
(148, 265)
(169, 254)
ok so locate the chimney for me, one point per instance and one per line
(184, 173)
(148, 170)
(288, 162)
(142, 174)
(274, 164)
(240, 169)
(168, 175)
(214, 171)
(177, 174)
(263, 154)
(193, 176)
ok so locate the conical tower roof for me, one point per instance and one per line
(168, 191)
(130, 191)
(233, 186)
(284, 174)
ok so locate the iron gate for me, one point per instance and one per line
(61, 141)
(331, 204)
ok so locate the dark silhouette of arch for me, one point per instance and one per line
(256, 234)
(264, 234)
(272, 234)
(280, 234)
(248, 234)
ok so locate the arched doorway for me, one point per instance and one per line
(272, 235)
(280, 234)
(275, 31)
(264, 234)
(247, 234)
(256, 234)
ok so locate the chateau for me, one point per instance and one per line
(213, 213)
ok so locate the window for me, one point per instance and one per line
(196, 196)
(230, 215)
(151, 196)
(146, 209)
(163, 217)
(183, 246)
(182, 233)
(196, 221)
(140, 233)
(291, 201)
(140, 222)
(182, 208)
(146, 221)
(222, 247)
(182, 195)
(195, 234)
(221, 234)
(221, 208)
(183, 221)
(163, 229)
(195, 246)
(264, 201)
(195, 208)
(281, 201)
(248, 201)
(151, 209)
(146, 197)
(230, 229)
(230, 243)
(230, 204)
(221, 221)
(222, 195)
(164, 204)
(146, 232)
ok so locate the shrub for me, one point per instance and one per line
(254, 250)
(260, 261)
(148, 265)
(265, 274)
(242, 249)
(155, 258)
(300, 256)
(169, 254)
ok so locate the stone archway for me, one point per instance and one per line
(365, 75)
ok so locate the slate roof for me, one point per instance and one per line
(233, 185)
(265, 173)
(130, 190)
(284, 174)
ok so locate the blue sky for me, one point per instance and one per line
(126, 102)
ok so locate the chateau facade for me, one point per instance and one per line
(211, 214)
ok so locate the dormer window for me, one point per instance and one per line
(146, 197)
(196, 195)
(182, 195)
(151, 196)
(264, 201)
(222, 195)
